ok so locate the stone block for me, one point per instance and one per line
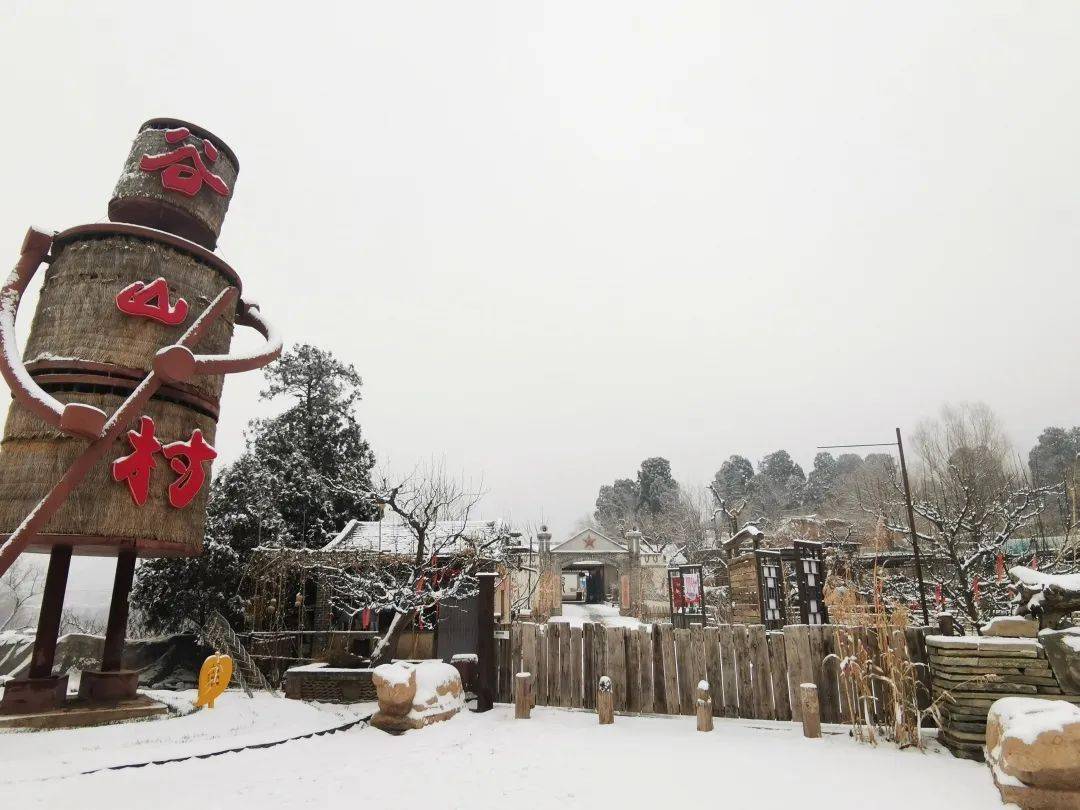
(1033, 748)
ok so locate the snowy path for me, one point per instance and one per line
(578, 614)
(235, 721)
(559, 758)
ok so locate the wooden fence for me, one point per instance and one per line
(655, 669)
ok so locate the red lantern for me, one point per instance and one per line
(999, 567)
(939, 596)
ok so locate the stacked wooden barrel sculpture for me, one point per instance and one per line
(109, 440)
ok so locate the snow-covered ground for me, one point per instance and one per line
(558, 759)
(235, 721)
(576, 615)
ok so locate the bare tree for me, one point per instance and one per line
(730, 508)
(971, 498)
(438, 550)
(77, 621)
(19, 586)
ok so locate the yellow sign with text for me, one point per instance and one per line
(214, 679)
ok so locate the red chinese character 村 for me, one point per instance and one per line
(186, 458)
(187, 178)
(151, 301)
(135, 468)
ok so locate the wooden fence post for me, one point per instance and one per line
(704, 707)
(811, 711)
(605, 701)
(485, 642)
(946, 624)
(522, 695)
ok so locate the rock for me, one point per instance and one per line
(1063, 650)
(415, 695)
(395, 685)
(1011, 627)
(1035, 743)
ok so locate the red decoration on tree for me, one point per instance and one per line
(939, 596)
(187, 178)
(151, 301)
(135, 468)
(999, 567)
(186, 458)
(975, 589)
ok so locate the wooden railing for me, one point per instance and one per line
(656, 668)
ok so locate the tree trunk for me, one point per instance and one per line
(384, 650)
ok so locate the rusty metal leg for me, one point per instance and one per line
(116, 631)
(42, 691)
(112, 683)
(52, 606)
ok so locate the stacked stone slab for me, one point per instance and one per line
(974, 671)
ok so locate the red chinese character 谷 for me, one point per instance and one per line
(186, 458)
(135, 468)
(151, 301)
(187, 178)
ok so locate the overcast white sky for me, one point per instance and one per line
(558, 238)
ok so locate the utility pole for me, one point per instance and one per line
(899, 445)
(911, 528)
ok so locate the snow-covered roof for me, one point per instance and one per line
(590, 540)
(392, 536)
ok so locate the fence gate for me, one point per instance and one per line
(810, 576)
(456, 632)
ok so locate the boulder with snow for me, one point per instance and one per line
(1033, 749)
(415, 695)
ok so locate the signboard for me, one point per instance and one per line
(686, 595)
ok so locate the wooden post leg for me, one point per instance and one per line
(946, 624)
(704, 707)
(811, 710)
(605, 701)
(522, 695)
(116, 630)
(485, 643)
(52, 607)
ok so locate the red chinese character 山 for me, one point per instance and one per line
(185, 177)
(135, 468)
(186, 459)
(151, 301)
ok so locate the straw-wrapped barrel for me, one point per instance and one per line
(178, 177)
(83, 348)
(99, 516)
(77, 317)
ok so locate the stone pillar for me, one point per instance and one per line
(637, 598)
(549, 590)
